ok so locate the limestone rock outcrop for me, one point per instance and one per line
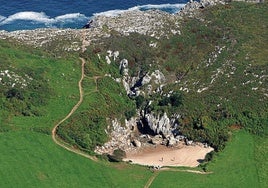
(161, 124)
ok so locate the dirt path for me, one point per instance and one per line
(190, 171)
(152, 178)
(54, 135)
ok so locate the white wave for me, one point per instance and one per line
(41, 17)
(116, 12)
(72, 16)
(2, 18)
(111, 13)
(162, 6)
(27, 15)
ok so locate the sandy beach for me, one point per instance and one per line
(163, 156)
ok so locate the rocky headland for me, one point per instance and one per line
(152, 23)
(130, 135)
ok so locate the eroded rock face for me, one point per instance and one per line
(156, 140)
(120, 137)
(161, 124)
(136, 143)
(172, 141)
(133, 85)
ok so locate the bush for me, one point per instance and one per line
(175, 100)
(209, 156)
(130, 113)
(139, 101)
(117, 155)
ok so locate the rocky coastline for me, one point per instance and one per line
(152, 23)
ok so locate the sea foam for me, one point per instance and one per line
(171, 8)
(27, 15)
(41, 17)
(70, 17)
(2, 18)
(32, 19)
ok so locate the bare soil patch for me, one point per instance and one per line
(160, 155)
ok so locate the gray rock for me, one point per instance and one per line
(146, 79)
(136, 143)
(159, 77)
(160, 124)
(172, 141)
(108, 61)
(189, 142)
(123, 67)
(156, 140)
(151, 23)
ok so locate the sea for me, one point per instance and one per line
(32, 14)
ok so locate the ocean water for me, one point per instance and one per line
(32, 14)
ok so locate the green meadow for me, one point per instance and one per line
(241, 164)
(31, 159)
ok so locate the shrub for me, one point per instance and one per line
(209, 156)
(117, 155)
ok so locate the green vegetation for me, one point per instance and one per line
(23, 89)
(230, 98)
(222, 77)
(117, 155)
(222, 63)
(48, 95)
(31, 159)
(135, 49)
(86, 128)
(237, 166)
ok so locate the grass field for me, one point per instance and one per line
(239, 165)
(31, 159)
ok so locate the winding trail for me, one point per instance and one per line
(54, 135)
(68, 147)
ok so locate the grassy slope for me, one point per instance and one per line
(63, 75)
(66, 94)
(32, 160)
(241, 29)
(237, 166)
(104, 98)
